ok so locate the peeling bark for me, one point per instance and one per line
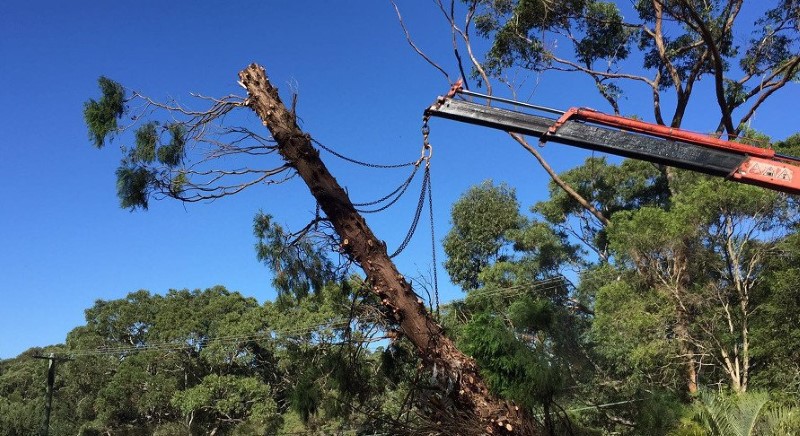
(456, 373)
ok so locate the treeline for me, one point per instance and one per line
(214, 362)
(679, 317)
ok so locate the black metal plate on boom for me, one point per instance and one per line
(633, 145)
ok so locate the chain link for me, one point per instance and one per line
(417, 213)
(433, 244)
(362, 163)
(427, 150)
(400, 190)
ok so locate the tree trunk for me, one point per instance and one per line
(457, 374)
(687, 353)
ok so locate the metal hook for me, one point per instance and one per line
(427, 150)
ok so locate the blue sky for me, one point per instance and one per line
(362, 90)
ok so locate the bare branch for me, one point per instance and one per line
(787, 72)
(414, 46)
(559, 181)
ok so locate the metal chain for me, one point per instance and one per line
(401, 189)
(417, 213)
(358, 162)
(425, 155)
(427, 150)
(433, 242)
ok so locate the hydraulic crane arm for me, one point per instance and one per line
(635, 139)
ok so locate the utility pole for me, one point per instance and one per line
(51, 378)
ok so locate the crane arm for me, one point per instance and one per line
(593, 130)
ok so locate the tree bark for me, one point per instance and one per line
(456, 374)
(687, 352)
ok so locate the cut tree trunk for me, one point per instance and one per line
(456, 374)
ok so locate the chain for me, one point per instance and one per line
(425, 155)
(433, 244)
(417, 213)
(426, 147)
(399, 191)
(362, 163)
(427, 150)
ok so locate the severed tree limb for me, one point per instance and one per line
(456, 374)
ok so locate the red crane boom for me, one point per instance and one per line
(588, 128)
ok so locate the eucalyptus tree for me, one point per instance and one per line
(668, 48)
(519, 318)
(667, 51)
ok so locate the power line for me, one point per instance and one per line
(600, 406)
(516, 290)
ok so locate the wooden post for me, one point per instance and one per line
(51, 378)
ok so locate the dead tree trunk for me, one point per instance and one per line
(457, 374)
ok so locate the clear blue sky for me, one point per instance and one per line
(65, 241)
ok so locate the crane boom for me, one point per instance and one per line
(593, 130)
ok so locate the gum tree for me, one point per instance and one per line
(667, 51)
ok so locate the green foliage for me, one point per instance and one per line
(138, 178)
(101, 116)
(532, 314)
(300, 267)
(518, 327)
(650, 230)
(171, 154)
(151, 165)
(134, 186)
(675, 267)
(631, 331)
(22, 386)
(746, 414)
(481, 219)
(516, 41)
(146, 141)
(772, 44)
(229, 398)
(776, 338)
(605, 35)
(305, 397)
(213, 361)
(610, 189)
(789, 146)
(512, 369)
(172, 429)
(673, 40)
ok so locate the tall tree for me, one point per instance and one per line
(156, 167)
(518, 319)
(676, 45)
(679, 43)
